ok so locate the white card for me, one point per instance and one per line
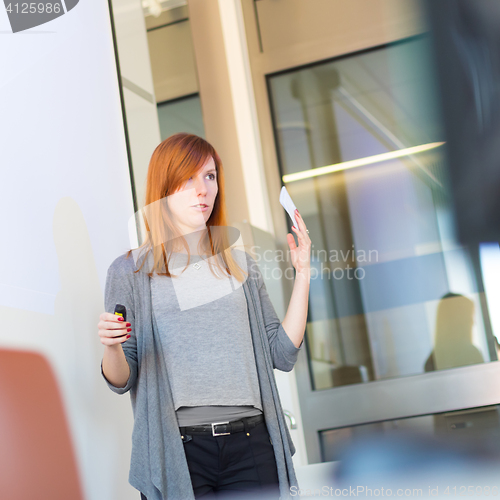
(288, 205)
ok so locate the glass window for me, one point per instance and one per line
(467, 427)
(181, 115)
(392, 293)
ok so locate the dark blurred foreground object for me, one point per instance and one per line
(37, 461)
(466, 39)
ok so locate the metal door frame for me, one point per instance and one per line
(408, 396)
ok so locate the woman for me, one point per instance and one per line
(195, 351)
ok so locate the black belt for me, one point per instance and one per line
(223, 428)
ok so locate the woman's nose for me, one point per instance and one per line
(200, 186)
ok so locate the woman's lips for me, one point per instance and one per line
(201, 209)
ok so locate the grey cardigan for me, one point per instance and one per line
(158, 463)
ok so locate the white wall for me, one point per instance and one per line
(65, 203)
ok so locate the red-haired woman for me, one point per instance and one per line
(201, 340)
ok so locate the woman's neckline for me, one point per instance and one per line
(185, 253)
(192, 254)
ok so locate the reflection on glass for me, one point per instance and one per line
(181, 115)
(384, 251)
(470, 426)
(453, 339)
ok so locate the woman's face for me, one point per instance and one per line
(201, 189)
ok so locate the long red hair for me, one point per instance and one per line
(172, 163)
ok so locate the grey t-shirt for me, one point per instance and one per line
(205, 333)
(196, 415)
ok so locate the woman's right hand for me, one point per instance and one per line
(112, 330)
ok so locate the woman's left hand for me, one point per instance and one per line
(300, 255)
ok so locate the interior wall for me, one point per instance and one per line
(318, 26)
(66, 199)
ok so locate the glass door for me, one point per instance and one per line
(398, 328)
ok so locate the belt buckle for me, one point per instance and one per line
(219, 433)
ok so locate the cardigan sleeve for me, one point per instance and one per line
(283, 351)
(119, 290)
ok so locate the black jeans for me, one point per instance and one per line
(235, 466)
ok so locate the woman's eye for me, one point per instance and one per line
(213, 176)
